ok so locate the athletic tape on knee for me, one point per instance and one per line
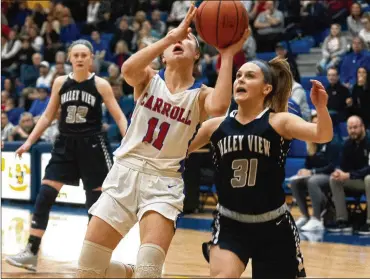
(150, 261)
(94, 260)
(44, 201)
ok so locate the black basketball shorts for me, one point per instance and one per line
(80, 157)
(273, 246)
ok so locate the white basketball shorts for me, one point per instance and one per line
(132, 188)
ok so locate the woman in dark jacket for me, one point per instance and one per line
(314, 180)
(361, 96)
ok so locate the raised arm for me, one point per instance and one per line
(106, 91)
(204, 134)
(137, 71)
(46, 118)
(292, 126)
(217, 100)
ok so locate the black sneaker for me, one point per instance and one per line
(364, 230)
(339, 226)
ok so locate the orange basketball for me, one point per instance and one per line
(221, 23)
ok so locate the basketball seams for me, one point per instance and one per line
(237, 24)
(218, 16)
(199, 19)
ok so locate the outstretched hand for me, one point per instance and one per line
(236, 47)
(182, 31)
(24, 148)
(319, 97)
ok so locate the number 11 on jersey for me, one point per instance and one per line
(163, 130)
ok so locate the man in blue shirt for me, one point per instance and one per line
(352, 61)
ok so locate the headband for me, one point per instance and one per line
(266, 70)
(196, 40)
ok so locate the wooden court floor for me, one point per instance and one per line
(63, 240)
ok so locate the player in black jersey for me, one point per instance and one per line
(251, 144)
(81, 151)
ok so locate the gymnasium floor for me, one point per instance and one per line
(325, 255)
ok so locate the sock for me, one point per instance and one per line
(34, 242)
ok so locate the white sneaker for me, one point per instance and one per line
(313, 225)
(301, 221)
(24, 259)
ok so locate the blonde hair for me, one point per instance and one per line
(281, 87)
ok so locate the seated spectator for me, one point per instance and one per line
(10, 49)
(51, 42)
(364, 34)
(30, 73)
(55, 24)
(333, 49)
(6, 127)
(283, 53)
(20, 17)
(269, 27)
(40, 103)
(354, 20)
(122, 33)
(314, 180)
(354, 167)
(39, 15)
(157, 24)
(23, 57)
(69, 31)
(101, 52)
(60, 59)
(106, 24)
(314, 18)
(338, 10)
(4, 98)
(178, 12)
(352, 61)
(361, 96)
(114, 74)
(45, 76)
(37, 42)
(9, 87)
(339, 97)
(22, 131)
(121, 53)
(299, 97)
(12, 111)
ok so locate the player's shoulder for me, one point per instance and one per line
(99, 81)
(59, 81)
(213, 124)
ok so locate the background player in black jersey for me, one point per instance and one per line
(251, 144)
(81, 151)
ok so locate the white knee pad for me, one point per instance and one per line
(119, 270)
(150, 261)
(94, 260)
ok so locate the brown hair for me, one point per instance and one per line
(281, 87)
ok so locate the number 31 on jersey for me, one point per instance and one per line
(245, 172)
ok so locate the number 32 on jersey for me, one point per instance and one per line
(245, 172)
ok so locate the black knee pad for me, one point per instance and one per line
(91, 198)
(44, 201)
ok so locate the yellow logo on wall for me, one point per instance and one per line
(17, 175)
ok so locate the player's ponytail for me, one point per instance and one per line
(281, 87)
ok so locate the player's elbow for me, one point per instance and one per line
(325, 137)
(217, 111)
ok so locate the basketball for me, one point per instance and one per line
(221, 23)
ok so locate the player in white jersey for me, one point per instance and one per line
(145, 182)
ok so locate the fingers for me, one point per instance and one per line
(317, 83)
(191, 14)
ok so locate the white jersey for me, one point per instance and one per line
(162, 126)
